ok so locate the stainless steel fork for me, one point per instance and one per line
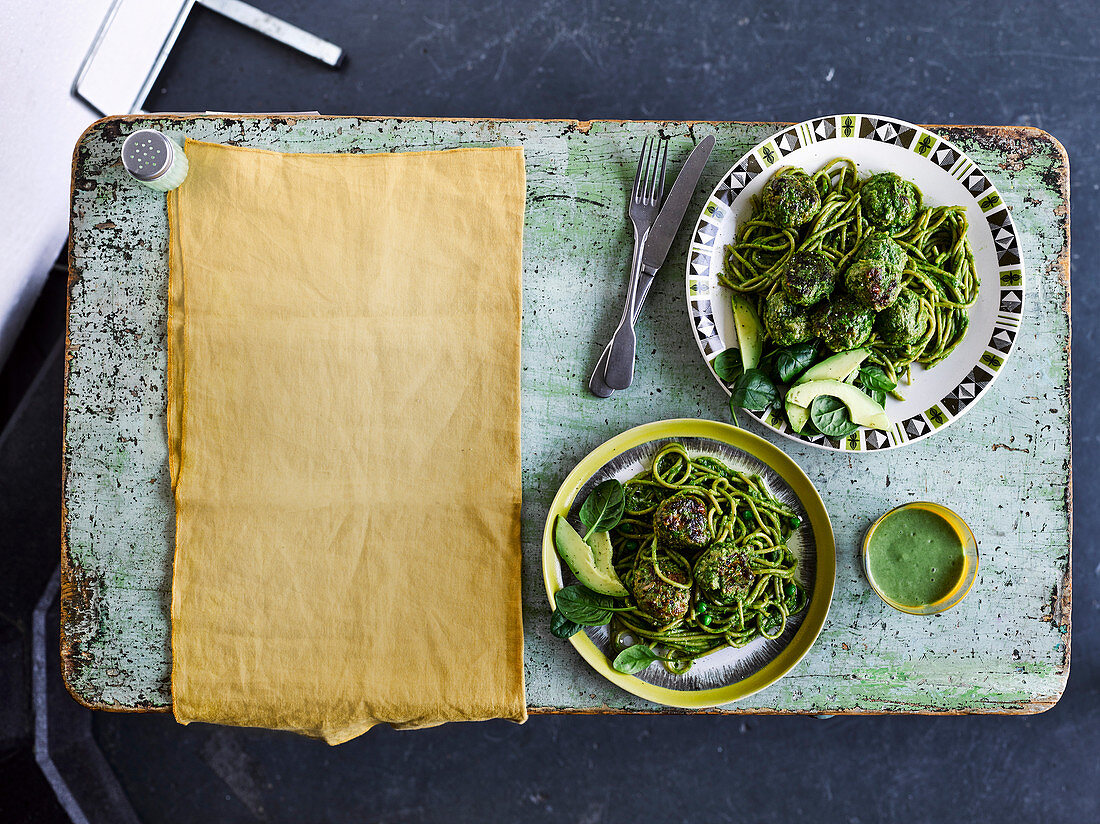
(645, 204)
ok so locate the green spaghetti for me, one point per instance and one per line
(702, 550)
(855, 262)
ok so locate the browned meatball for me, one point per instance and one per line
(680, 522)
(808, 277)
(660, 600)
(790, 198)
(723, 572)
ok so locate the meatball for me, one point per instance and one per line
(875, 275)
(880, 246)
(723, 572)
(844, 323)
(790, 198)
(658, 599)
(680, 523)
(808, 277)
(904, 322)
(889, 202)
(786, 321)
(873, 283)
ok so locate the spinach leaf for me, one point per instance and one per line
(830, 416)
(582, 606)
(727, 365)
(753, 391)
(876, 383)
(561, 626)
(603, 509)
(874, 377)
(767, 365)
(634, 659)
(794, 360)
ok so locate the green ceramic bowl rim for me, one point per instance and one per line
(788, 470)
(972, 575)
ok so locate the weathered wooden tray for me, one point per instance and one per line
(1005, 467)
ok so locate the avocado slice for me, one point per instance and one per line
(837, 367)
(600, 542)
(798, 416)
(591, 565)
(862, 409)
(750, 332)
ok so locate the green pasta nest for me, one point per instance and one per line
(889, 249)
(690, 599)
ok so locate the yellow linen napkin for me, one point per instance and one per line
(343, 407)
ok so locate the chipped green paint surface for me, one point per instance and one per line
(1005, 466)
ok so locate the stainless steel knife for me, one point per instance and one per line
(658, 241)
(665, 228)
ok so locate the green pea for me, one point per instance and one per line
(790, 589)
(705, 620)
(702, 607)
(796, 522)
(631, 546)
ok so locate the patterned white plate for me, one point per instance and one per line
(946, 176)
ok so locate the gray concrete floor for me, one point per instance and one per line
(995, 63)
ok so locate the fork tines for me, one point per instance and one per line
(649, 180)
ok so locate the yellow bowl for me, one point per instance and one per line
(970, 559)
(791, 474)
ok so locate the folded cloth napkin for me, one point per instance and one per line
(343, 415)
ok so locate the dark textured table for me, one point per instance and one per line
(936, 62)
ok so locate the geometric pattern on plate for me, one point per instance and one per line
(768, 155)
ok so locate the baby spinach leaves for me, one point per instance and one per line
(830, 416)
(875, 377)
(792, 361)
(582, 606)
(561, 626)
(728, 365)
(876, 383)
(603, 509)
(877, 395)
(753, 391)
(634, 659)
(761, 389)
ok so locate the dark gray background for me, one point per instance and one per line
(989, 63)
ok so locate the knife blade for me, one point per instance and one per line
(664, 229)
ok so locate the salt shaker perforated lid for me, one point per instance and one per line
(154, 159)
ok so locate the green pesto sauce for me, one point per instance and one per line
(915, 557)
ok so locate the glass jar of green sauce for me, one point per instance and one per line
(920, 558)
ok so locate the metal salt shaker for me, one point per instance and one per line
(154, 159)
